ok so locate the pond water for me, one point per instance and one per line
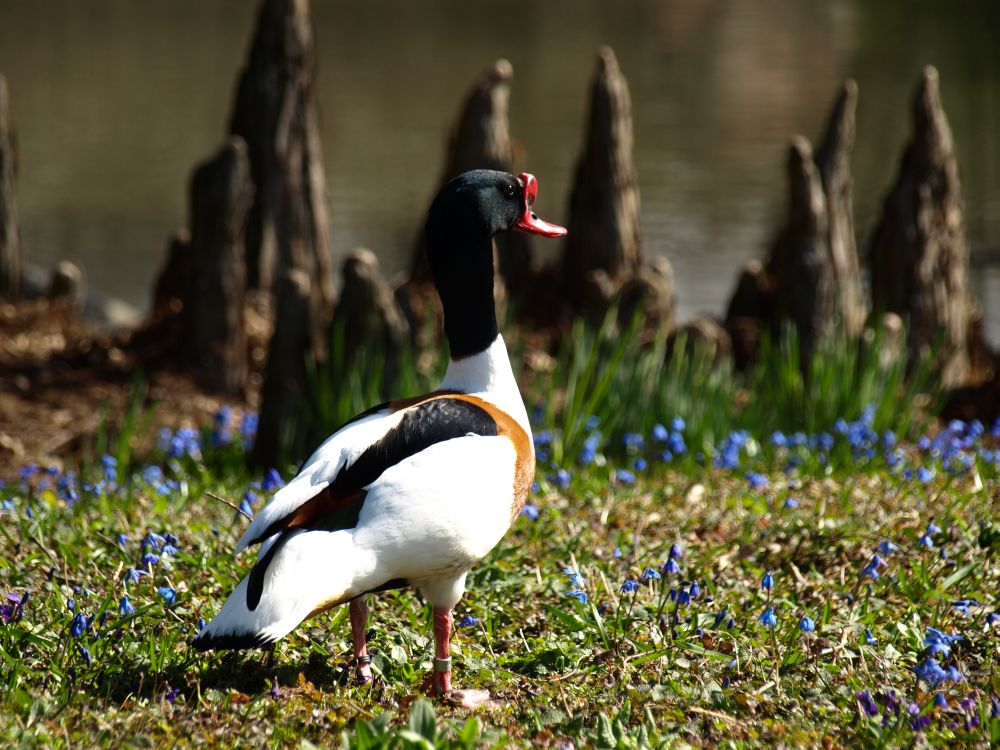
(115, 101)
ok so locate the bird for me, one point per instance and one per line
(412, 492)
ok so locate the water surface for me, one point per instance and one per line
(115, 101)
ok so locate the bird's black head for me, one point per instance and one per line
(462, 220)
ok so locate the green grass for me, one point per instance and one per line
(619, 670)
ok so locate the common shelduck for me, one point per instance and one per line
(411, 492)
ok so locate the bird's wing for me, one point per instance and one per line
(330, 490)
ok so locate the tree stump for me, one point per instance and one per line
(812, 273)
(11, 260)
(833, 159)
(480, 139)
(604, 202)
(918, 254)
(275, 113)
(214, 337)
(800, 262)
(286, 376)
(367, 313)
(650, 294)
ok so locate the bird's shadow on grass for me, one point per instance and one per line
(252, 673)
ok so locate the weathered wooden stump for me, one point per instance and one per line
(811, 276)
(480, 139)
(11, 260)
(286, 376)
(800, 262)
(604, 202)
(275, 113)
(649, 293)
(67, 283)
(701, 334)
(367, 313)
(918, 254)
(833, 159)
(213, 334)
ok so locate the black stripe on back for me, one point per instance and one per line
(421, 427)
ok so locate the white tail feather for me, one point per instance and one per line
(311, 570)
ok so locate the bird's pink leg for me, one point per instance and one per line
(442, 665)
(359, 624)
(442, 651)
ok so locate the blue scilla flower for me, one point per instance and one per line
(940, 701)
(683, 597)
(87, 657)
(221, 433)
(660, 433)
(272, 480)
(676, 552)
(150, 559)
(885, 547)
(630, 586)
(930, 672)
(153, 541)
(132, 575)
(867, 703)
(666, 457)
(531, 511)
(561, 479)
(542, 439)
(767, 582)
(756, 480)
(650, 574)
(767, 618)
(578, 594)
(169, 594)
(869, 571)
(695, 590)
(676, 443)
(245, 508)
(806, 624)
(791, 503)
(78, 625)
(925, 541)
(125, 607)
(122, 539)
(778, 439)
(677, 424)
(248, 427)
(633, 440)
(639, 464)
(469, 621)
(624, 476)
(671, 568)
(924, 475)
(576, 580)
(870, 639)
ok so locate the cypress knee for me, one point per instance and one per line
(919, 256)
(276, 114)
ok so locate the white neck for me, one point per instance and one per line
(489, 376)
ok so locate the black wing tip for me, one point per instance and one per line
(230, 641)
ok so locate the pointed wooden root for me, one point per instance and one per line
(359, 624)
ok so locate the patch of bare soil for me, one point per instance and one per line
(63, 381)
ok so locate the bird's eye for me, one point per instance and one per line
(508, 190)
